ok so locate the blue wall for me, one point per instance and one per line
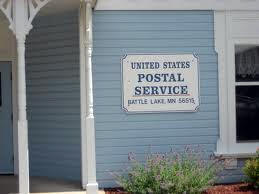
(53, 90)
(53, 97)
(117, 33)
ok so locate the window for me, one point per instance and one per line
(237, 45)
(247, 92)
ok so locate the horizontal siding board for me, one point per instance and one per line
(121, 126)
(122, 51)
(117, 109)
(117, 84)
(108, 150)
(149, 133)
(146, 18)
(54, 51)
(206, 67)
(144, 26)
(122, 159)
(57, 82)
(102, 60)
(154, 13)
(142, 35)
(115, 92)
(73, 58)
(151, 117)
(70, 34)
(41, 31)
(53, 20)
(54, 45)
(117, 101)
(53, 74)
(151, 43)
(117, 77)
(53, 97)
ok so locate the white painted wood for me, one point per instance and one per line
(20, 32)
(225, 40)
(178, 5)
(82, 21)
(32, 7)
(247, 83)
(220, 46)
(92, 185)
(6, 6)
(247, 21)
(22, 121)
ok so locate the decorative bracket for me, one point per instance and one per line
(34, 7)
(7, 8)
(31, 8)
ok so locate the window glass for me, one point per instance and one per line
(247, 63)
(247, 113)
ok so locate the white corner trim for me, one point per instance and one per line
(88, 129)
(220, 47)
(83, 98)
(177, 5)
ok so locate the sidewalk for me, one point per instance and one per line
(9, 184)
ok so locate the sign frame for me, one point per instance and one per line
(168, 111)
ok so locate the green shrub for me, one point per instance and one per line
(251, 170)
(175, 173)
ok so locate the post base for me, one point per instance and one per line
(23, 157)
(92, 188)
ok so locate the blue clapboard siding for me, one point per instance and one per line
(117, 33)
(53, 97)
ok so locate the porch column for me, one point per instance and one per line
(22, 120)
(21, 30)
(92, 186)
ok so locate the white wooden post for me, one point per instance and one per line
(20, 20)
(22, 120)
(92, 186)
(83, 94)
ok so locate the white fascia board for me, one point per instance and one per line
(177, 5)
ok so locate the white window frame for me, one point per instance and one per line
(225, 42)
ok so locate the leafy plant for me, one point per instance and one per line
(177, 173)
(251, 170)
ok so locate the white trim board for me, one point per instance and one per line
(177, 5)
(230, 29)
(81, 20)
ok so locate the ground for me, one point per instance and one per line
(220, 189)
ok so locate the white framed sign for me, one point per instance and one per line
(160, 83)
